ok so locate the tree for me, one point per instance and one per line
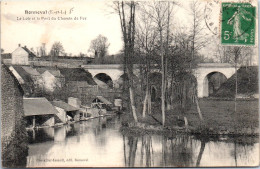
(146, 37)
(81, 54)
(126, 12)
(235, 51)
(99, 46)
(57, 49)
(153, 40)
(42, 50)
(161, 14)
(222, 55)
(198, 41)
(197, 32)
(225, 54)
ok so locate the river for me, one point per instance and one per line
(99, 143)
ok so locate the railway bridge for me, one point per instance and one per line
(203, 72)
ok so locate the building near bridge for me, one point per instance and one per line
(24, 79)
(39, 112)
(29, 78)
(35, 75)
(52, 79)
(22, 56)
(66, 111)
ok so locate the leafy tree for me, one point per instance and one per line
(57, 49)
(99, 46)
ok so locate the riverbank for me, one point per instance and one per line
(219, 119)
(72, 122)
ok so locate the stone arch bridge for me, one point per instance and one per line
(202, 73)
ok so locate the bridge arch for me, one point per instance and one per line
(212, 82)
(124, 77)
(103, 80)
(155, 80)
(206, 70)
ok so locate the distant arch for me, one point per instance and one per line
(155, 81)
(212, 82)
(153, 93)
(103, 80)
(123, 80)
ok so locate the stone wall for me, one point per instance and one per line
(14, 136)
(87, 93)
(81, 90)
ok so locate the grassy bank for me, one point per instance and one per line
(219, 117)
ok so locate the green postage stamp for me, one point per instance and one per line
(238, 24)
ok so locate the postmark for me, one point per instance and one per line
(211, 16)
(238, 24)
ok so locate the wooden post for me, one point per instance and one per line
(33, 134)
(198, 108)
(33, 121)
(186, 123)
(236, 86)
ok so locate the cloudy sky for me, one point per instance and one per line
(94, 18)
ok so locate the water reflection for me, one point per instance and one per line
(202, 148)
(186, 151)
(40, 135)
(158, 151)
(99, 143)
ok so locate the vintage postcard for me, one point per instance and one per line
(151, 83)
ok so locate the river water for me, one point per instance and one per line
(99, 143)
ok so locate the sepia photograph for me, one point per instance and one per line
(146, 83)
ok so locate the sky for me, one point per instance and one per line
(75, 35)
(94, 18)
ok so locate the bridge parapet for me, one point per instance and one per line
(103, 66)
(215, 65)
(136, 66)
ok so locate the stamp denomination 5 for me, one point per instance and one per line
(238, 24)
